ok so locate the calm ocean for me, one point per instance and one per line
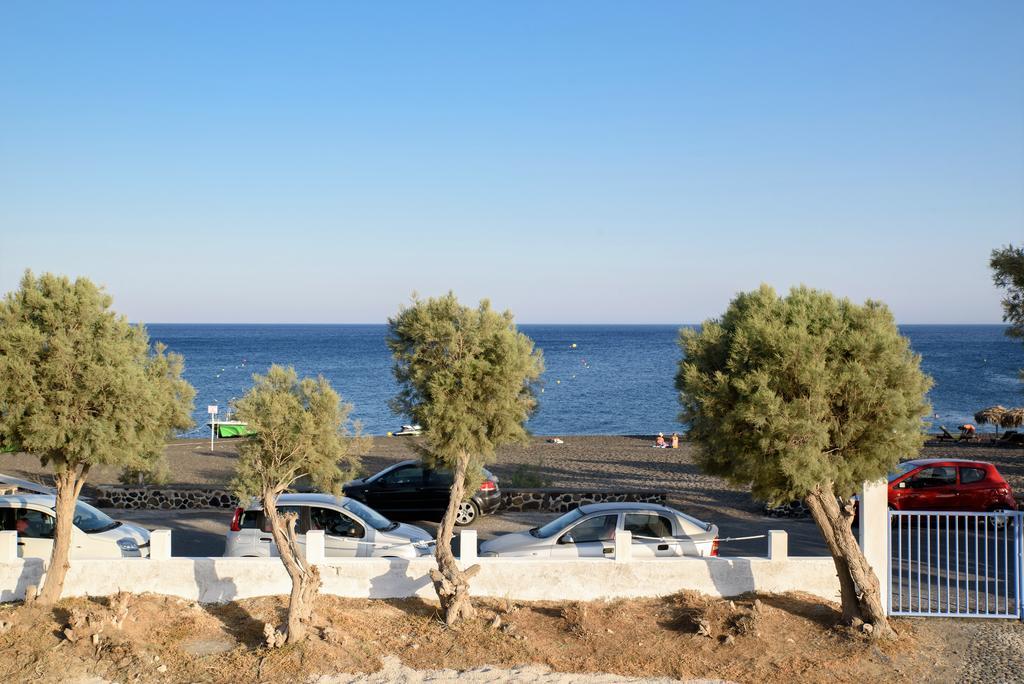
(600, 379)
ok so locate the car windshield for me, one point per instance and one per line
(557, 524)
(91, 520)
(368, 515)
(901, 470)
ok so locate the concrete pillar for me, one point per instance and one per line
(160, 545)
(467, 548)
(874, 532)
(623, 546)
(315, 547)
(778, 545)
(8, 546)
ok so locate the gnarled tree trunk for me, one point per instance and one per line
(305, 577)
(451, 583)
(69, 485)
(861, 593)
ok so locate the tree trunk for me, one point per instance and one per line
(451, 583)
(861, 593)
(305, 577)
(69, 485)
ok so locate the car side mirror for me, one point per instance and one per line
(566, 539)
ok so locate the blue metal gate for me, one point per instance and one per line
(956, 564)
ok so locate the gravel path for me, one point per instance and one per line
(995, 651)
(395, 672)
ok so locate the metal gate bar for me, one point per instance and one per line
(956, 564)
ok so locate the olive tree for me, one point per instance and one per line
(301, 431)
(806, 397)
(81, 387)
(468, 377)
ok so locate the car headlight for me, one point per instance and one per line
(127, 544)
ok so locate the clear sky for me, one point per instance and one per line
(575, 162)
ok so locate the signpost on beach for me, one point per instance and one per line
(212, 410)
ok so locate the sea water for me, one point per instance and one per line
(599, 379)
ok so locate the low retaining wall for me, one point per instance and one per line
(212, 580)
(168, 498)
(561, 500)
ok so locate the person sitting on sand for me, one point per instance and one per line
(675, 440)
(967, 431)
(660, 441)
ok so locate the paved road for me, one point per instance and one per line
(201, 532)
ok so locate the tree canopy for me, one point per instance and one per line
(465, 374)
(301, 431)
(1007, 265)
(789, 392)
(81, 386)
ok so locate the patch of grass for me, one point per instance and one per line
(530, 476)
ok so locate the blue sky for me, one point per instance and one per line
(575, 162)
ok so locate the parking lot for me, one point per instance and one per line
(201, 532)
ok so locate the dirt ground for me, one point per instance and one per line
(792, 638)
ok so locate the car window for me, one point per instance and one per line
(971, 475)
(281, 510)
(334, 523)
(439, 478)
(92, 520)
(598, 528)
(368, 515)
(6, 519)
(901, 470)
(935, 476)
(648, 525)
(406, 475)
(34, 524)
(559, 523)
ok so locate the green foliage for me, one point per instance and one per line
(301, 432)
(79, 385)
(466, 375)
(1007, 265)
(788, 393)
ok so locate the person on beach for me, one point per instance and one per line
(675, 440)
(660, 441)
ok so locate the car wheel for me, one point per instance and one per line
(997, 522)
(466, 514)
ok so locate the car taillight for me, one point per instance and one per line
(236, 521)
(488, 486)
(714, 547)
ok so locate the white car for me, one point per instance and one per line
(95, 534)
(589, 532)
(351, 529)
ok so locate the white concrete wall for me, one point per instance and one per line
(212, 580)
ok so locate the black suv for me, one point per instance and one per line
(409, 491)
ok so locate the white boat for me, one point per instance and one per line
(409, 431)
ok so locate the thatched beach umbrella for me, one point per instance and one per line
(1013, 418)
(992, 414)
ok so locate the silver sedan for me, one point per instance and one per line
(589, 532)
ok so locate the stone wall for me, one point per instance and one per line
(180, 497)
(167, 498)
(561, 500)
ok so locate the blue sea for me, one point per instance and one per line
(600, 379)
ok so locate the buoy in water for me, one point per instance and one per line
(573, 345)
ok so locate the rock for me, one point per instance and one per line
(728, 639)
(415, 647)
(162, 669)
(496, 622)
(867, 628)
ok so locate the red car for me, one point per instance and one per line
(939, 484)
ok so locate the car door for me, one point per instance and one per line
(932, 488)
(35, 532)
(344, 536)
(975, 489)
(266, 539)
(399, 492)
(652, 535)
(437, 490)
(591, 537)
